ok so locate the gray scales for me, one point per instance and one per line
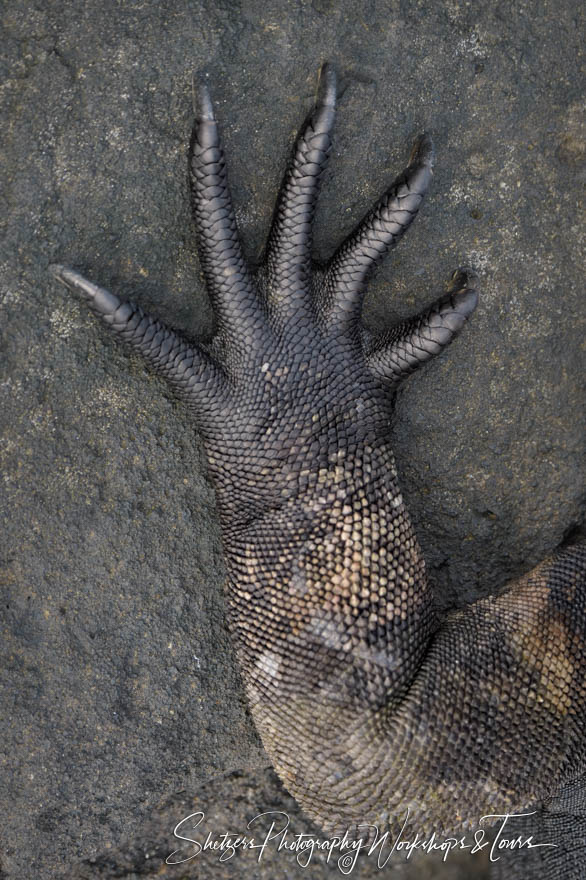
(372, 706)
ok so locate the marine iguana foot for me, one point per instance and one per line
(285, 293)
(370, 707)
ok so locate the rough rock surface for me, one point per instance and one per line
(122, 709)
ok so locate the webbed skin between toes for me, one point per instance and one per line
(369, 704)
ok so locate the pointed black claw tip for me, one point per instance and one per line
(61, 273)
(71, 279)
(423, 151)
(462, 287)
(463, 277)
(327, 85)
(98, 298)
(466, 300)
(56, 269)
(204, 106)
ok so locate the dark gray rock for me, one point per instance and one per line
(270, 842)
(119, 687)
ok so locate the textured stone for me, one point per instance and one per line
(119, 684)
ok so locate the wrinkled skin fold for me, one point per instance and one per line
(369, 704)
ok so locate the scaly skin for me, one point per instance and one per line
(368, 703)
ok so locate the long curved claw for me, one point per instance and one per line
(188, 369)
(410, 344)
(379, 230)
(288, 253)
(226, 275)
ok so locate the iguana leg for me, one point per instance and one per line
(561, 826)
(370, 706)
